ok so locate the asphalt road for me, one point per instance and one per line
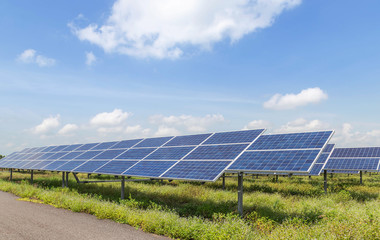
(27, 220)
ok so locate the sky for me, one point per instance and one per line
(91, 71)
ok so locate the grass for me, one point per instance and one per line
(294, 207)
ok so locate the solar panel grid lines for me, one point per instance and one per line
(360, 164)
(343, 171)
(72, 147)
(153, 142)
(187, 154)
(357, 152)
(162, 144)
(127, 144)
(216, 152)
(243, 136)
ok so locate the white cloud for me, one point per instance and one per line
(291, 101)
(47, 125)
(301, 125)
(163, 29)
(257, 124)
(133, 129)
(166, 131)
(113, 118)
(190, 123)
(68, 129)
(90, 58)
(30, 56)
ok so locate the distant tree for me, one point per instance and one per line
(1, 156)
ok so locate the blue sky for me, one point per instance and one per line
(105, 70)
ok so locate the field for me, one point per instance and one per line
(294, 207)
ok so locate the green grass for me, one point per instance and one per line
(294, 207)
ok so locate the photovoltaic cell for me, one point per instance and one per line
(70, 165)
(322, 158)
(291, 141)
(343, 171)
(103, 146)
(57, 155)
(126, 144)
(136, 154)
(71, 155)
(59, 148)
(149, 168)
(115, 167)
(284, 161)
(48, 149)
(41, 164)
(52, 166)
(86, 146)
(234, 137)
(88, 155)
(226, 152)
(328, 148)
(72, 147)
(197, 170)
(188, 140)
(110, 154)
(90, 166)
(169, 153)
(153, 142)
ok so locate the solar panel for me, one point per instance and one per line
(153, 142)
(189, 140)
(70, 165)
(359, 159)
(86, 146)
(290, 153)
(110, 154)
(307, 140)
(71, 155)
(72, 147)
(40, 164)
(217, 152)
(59, 148)
(136, 154)
(169, 153)
(343, 171)
(197, 170)
(105, 145)
(246, 136)
(126, 144)
(54, 165)
(88, 155)
(48, 149)
(149, 168)
(90, 166)
(115, 167)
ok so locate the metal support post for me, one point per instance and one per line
(224, 181)
(276, 178)
(63, 179)
(10, 176)
(122, 187)
(88, 175)
(67, 179)
(325, 180)
(361, 177)
(240, 193)
(257, 176)
(31, 176)
(309, 176)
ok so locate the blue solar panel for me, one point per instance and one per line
(46, 156)
(57, 155)
(26, 164)
(285, 161)
(26, 150)
(367, 164)
(86, 146)
(90, 166)
(52, 166)
(315, 170)
(59, 148)
(169, 153)
(217, 152)
(126, 144)
(35, 150)
(69, 166)
(41, 164)
(234, 137)
(328, 148)
(291, 141)
(105, 145)
(88, 155)
(115, 167)
(356, 152)
(153, 142)
(71, 155)
(149, 168)
(72, 147)
(110, 154)
(48, 149)
(188, 140)
(197, 170)
(136, 154)
(35, 156)
(322, 158)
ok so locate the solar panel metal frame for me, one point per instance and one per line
(275, 150)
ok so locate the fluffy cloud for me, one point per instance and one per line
(190, 123)
(31, 56)
(301, 124)
(163, 29)
(113, 118)
(47, 125)
(68, 129)
(257, 124)
(166, 131)
(291, 101)
(90, 58)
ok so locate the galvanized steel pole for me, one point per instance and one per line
(240, 193)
